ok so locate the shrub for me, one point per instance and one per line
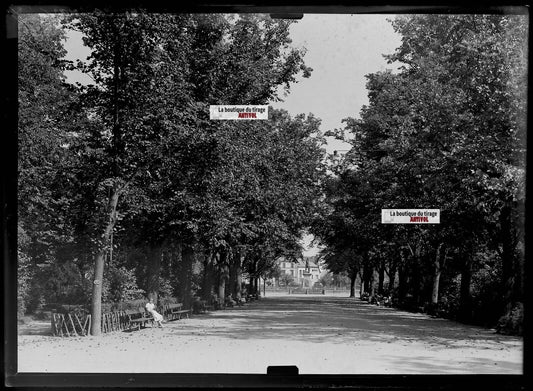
(512, 322)
(124, 305)
(23, 283)
(165, 288)
(449, 301)
(121, 285)
(43, 315)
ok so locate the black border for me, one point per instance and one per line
(9, 147)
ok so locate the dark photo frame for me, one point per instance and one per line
(274, 376)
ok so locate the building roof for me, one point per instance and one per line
(312, 260)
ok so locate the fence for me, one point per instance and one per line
(302, 290)
(73, 325)
(115, 321)
(70, 325)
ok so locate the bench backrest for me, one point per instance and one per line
(133, 313)
(143, 311)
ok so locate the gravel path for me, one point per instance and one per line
(319, 334)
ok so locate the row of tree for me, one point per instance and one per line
(446, 131)
(127, 188)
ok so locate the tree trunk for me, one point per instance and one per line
(509, 272)
(392, 275)
(238, 276)
(96, 300)
(185, 277)
(436, 276)
(368, 274)
(223, 276)
(381, 278)
(402, 283)
(206, 286)
(232, 278)
(154, 270)
(209, 275)
(416, 280)
(465, 305)
(353, 277)
(253, 288)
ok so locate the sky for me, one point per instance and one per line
(341, 49)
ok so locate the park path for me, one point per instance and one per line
(319, 334)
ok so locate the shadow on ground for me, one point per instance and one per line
(313, 319)
(35, 328)
(434, 365)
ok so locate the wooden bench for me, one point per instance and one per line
(230, 302)
(208, 306)
(138, 318)
(252, 297)
(175, 311)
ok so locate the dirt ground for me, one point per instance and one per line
(319, 334)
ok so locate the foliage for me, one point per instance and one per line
(326, 280)
(446, 131)
(286, 279)
(122, 285)
(120, 176)
(513, 322)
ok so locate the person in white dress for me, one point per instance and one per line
(150, 307)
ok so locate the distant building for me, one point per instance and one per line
(305, 272)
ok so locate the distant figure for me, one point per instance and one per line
(150, 307)
(230, 302)
(215, 302)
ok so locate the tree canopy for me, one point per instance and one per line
(446, 131)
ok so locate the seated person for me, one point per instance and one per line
(150, 307)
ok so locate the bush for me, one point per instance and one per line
(449, 301)
(124, 305)
(512, 322)
(23, 286)
(165, 289)
(197, 306)
(486, 302)
(167, 300)
(43, 315)
(120, 285)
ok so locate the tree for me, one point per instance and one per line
(477, 64)
(445, 131)
(45, 132)
(135, 135)
(127, 110)
(286, 279)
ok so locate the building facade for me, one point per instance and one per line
(306, 272)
